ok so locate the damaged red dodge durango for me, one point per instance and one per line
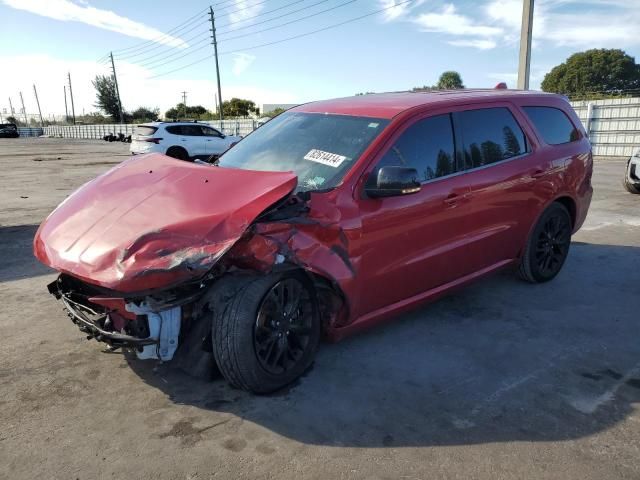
(332, 217)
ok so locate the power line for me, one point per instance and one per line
(265, 13)
(164, 55)
(156, 39)
(174, 30)
(329, 27)
(272, 19)
(335, 25)
(243, 8)
(289, 22)
(180, 54)
(160, 45)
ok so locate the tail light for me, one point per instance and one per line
(152, 140)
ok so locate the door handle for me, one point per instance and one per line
(452, 199)
(537, 173)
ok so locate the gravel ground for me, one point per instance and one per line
(502, 380)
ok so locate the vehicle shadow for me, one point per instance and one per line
(499, 361)
(16, 253)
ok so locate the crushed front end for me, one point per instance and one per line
(150, 329)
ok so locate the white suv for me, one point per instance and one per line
(182, 140)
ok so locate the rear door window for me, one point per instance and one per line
(552, 124)
(145, 131)
(490, 135)
(192, 130)
(175, 129)
(427, 146)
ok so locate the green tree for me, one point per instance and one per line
(596, 70)
(444, 164)
(143, 114)
(450, 80)
(511, 143)
(13, 120)
(93, 118)
(106, 97)
(491, 152)
(182, 111)
(238, 107)
(274, 113)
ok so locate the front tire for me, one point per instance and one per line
(178, 152)
(267, 334)
(548, 245)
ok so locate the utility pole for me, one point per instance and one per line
(524, 62)
(35, 92)
(115, 79)
(184, 104)
(215, 50)
(73, 110)
(24, 110)
(66, 111)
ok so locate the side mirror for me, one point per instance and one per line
(394, 181)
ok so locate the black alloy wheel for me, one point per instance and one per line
(552, 244)
(266, 334)
(548, 246)
(283, 326)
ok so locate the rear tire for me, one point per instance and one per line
(548, 245)
(267, 334)
(178, 152)
(630, 187)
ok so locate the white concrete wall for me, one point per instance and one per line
(614, 126)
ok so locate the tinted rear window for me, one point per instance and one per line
(553, 124)
(145, 131)
(175, 129)
(490, 135)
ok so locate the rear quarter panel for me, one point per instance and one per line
(569, 165)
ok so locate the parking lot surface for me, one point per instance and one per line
(501, 380)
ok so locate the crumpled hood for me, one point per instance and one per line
(153, 221)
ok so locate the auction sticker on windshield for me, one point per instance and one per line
(326, 158)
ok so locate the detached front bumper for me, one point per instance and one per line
(150, 334)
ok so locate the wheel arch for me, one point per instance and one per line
(570, 204)
(566, 201)
(177, 147)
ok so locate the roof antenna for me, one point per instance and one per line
(501, 86)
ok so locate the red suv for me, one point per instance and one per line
(330, 218)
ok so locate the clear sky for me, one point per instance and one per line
(407, 44)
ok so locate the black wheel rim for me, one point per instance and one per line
(283, 326)
(553, 244)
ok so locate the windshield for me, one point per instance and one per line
(319, 148)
